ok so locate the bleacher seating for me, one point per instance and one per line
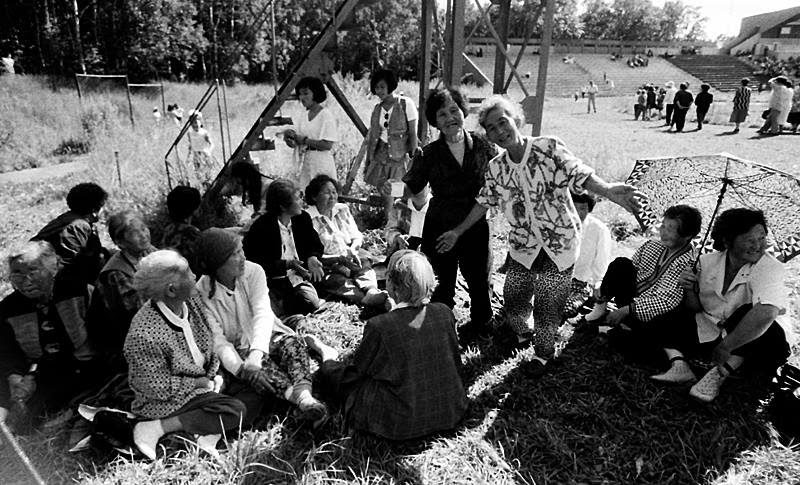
(723, 73)
(565, 79)
(626, 79)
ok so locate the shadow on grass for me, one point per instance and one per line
(593, 417)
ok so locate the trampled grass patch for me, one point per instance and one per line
(594, 418)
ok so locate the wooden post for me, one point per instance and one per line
(503, 20)
(428, 10)
(221, 127)
(455, 44)
(119, 171)
(130, 104)
(346, 106)
(544, 57)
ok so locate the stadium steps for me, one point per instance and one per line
(723, 73)
(626, 80)
(562, 79)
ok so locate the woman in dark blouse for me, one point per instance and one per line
(454, 165)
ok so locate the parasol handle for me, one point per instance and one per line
(721, 196)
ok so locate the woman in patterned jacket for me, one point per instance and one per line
(531, 181)
(171, 360)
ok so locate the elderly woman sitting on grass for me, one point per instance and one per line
(404, 381)
(262, 355)
(284, 243)
(45, 353)
(735, 307)
(171, 359)
(115, 283)
(348, 273)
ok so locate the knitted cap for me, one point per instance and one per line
(214, 247)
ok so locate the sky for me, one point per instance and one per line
(725, 16)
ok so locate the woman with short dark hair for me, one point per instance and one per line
(348, 272)
(735, 307)
(392, 137)
(455, 167)
(74, 236)
(283, 241)
(315, 133)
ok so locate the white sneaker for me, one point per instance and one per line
(708, 388)
(678, 373)
(599, 312)
(208, 443)
(146, 435)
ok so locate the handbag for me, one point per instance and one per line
(784, 408)
(765, 114)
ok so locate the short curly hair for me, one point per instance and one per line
(689, 219)
(157, 271)
(86, 198)
(314, 85)
(383, 75)
(410, 277)
(734, 222)
(119, 222)
(280, 194)
(501, 102)
(182, 202)
(437, 99)
(315, 186)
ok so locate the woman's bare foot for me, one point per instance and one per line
(326, 352)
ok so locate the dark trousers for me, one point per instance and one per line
(473, 256)
(253, 401)
(210, 413)
(619, 282)
(294, 300)
(701, 116)
(679, 118)
(767, 352)
(670, 110)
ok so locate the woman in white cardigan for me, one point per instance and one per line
(262, 355)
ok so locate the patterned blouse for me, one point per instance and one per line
(657, 274)
(741, 99)
(161, 369)
(338, 232)
(535, 197)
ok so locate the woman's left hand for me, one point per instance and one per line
(315, 267)
(218, 382)
(447, 241)
(626, 196)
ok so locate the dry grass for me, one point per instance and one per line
(596, 418)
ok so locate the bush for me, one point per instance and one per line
(72, 146)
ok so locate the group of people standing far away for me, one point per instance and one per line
(204, 356)
(782, 102)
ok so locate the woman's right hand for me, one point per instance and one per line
(203, 383)
(688, 279)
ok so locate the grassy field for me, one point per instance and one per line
(595, 418)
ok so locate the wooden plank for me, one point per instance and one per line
(455, 43)
(485, 18)
(503, 20)
(348, 108)
(287, 87)
(544, 57)
(428, 10)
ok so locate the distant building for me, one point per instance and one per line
(774, 33)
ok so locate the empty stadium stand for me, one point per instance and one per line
(720, 71)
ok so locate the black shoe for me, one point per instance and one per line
(470, 332)
(533, 368)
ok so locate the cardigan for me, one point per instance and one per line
(241, 320)
(262, 243)
(161, 370)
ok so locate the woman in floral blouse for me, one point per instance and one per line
(531, 181)
(347, 271)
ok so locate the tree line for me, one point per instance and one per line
(236, 39)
